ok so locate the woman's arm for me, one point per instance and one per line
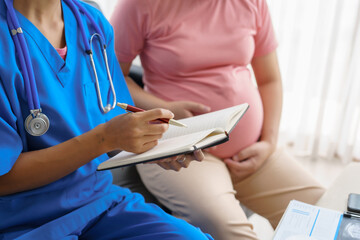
(250, 159)
(267, 74)
(130, 132)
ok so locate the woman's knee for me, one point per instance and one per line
(223, 221)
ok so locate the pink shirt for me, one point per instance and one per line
(62, 52)
(199, 50)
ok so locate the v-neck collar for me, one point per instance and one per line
(59, 66)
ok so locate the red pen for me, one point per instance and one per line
(130, 108)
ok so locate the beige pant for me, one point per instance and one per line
(204, 195)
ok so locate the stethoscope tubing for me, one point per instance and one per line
(78, 20)
(37, 123)
(91, 19)
(24, 59)
(22, 65)
(73, 5)
(108, 107)
(76, 8)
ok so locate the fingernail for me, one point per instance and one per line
(199, 155)
(235, 158)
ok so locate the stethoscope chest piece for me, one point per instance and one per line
(37, 123)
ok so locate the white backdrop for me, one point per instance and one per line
(319, 55)
(107, 6)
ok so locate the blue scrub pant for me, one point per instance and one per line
(138, 220)
(131, 219)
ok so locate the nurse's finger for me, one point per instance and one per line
(156, 113)
(149, 145)
(184, 160)
(150, 138)
(198, 155)
(174, 165)
(154, 129)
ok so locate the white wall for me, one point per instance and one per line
(107, 6)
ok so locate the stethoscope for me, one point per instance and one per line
(37, 123)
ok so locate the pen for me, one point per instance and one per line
(130, 108)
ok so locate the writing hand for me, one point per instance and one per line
(134, 132)
(248, 160)
(180, 161)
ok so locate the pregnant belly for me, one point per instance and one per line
(227, 94)
(245, 133)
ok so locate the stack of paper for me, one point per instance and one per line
(304, 221)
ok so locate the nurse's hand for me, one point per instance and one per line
(134, 132)
(184, 109)
(180, 161)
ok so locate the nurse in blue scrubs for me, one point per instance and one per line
(49, 186)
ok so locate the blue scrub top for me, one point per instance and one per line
(68, 97)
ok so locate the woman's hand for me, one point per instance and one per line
(249, 160)
(180, 161)
(184, 109)
(134, 132)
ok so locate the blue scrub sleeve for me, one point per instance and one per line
(10, 142)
